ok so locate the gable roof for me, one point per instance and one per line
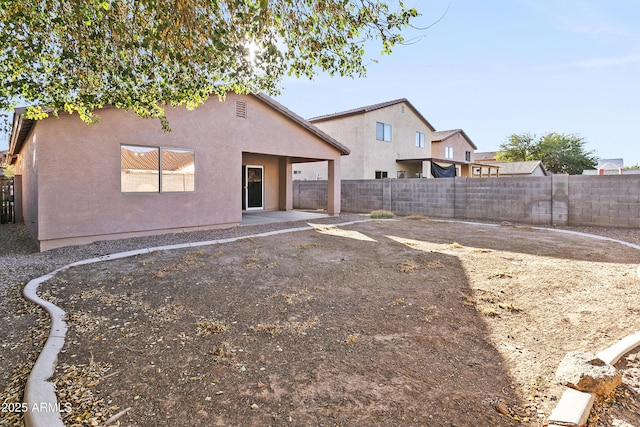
(301, 121)
(485, 156)
(519, 168)
(446, 134)
(368, 109)
(22, 126)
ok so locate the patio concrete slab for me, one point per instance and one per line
(266, 217)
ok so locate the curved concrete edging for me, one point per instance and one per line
(574, 406)
(39, 393)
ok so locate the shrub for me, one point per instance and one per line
(382, 214)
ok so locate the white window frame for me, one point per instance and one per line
(383, 132)
(158, 173)
(448, 152)
(420, 139)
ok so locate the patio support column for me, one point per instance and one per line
(285, 193)
(333, 187)
(426, 169)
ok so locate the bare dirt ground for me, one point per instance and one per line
(409, 322)
(403, 323)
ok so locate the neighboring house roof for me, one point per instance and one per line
(610, 164)
(443, 135)
(485, 156)
(369, 108)
(22, 126)
(519, 168)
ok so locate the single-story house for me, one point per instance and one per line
(125, 177)
(488, 160)
(526, 168)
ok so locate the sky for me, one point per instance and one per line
(506, 67)
(502, 67)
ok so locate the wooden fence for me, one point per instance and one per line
(7, 208)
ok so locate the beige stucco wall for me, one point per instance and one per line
(74, 195)
(271, 177)
(368, 155)
(459, 144)
(26, 169)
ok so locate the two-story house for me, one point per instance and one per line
(391, 140)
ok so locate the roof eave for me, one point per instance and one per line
(302, 122)
(20, 130)
(455, 132)
(370, 108)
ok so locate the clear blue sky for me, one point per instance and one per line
(507, 66)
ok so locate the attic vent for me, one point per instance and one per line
(241, 109)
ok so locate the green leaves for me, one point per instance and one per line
(560, 153)
(141, 55)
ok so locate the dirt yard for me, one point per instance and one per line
(382, 323)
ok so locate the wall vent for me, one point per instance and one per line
(241, 109)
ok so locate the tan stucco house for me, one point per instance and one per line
(390, 140)
(125, 177)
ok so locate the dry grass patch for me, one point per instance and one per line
(223, 353)
(351, 339)
(297, 296)
(213, 326)
(408, 266)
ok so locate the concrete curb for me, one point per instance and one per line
(574, 406)
(39, 393)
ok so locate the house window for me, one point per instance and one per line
(448, 152)
(155, 169)
(419, 139)
(383, 132)
(467, 156)
(381, 174)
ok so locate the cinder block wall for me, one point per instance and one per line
(311, 194)
(611, 200)
(361, 195)
(427, 197)
(526, 200)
